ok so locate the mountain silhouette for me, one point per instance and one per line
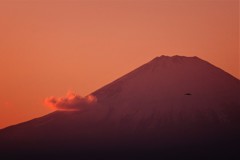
(170, 106)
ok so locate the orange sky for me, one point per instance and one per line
(48, 47)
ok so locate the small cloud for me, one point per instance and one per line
(71, 102)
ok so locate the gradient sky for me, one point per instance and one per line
(48, 47)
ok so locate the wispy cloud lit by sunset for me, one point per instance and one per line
(71, 102)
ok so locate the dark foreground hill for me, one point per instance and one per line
(170, 107)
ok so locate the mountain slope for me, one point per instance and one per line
(168, 104)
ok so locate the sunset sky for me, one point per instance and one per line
(49, 47)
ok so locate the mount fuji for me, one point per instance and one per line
(169, 107)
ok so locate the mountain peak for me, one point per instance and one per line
(174, 61)
(173, 58)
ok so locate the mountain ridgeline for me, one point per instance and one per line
(170, 106)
